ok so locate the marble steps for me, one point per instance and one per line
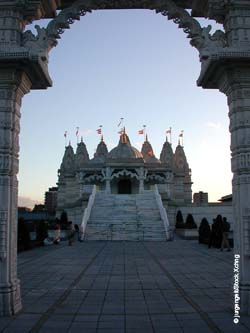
(125, 217)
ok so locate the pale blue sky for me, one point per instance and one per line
(132, 64)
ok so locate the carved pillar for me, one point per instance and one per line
(108, 174)
(11, 26)
(141, 180)
(235, 83)
(13, 86)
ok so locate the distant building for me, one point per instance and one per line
(50, 200)
(226, 198)
(200, 198)
(39, 208)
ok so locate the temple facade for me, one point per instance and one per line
(122, 170)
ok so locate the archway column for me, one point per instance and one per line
(235, 83)
(231, 75)
(13, 85)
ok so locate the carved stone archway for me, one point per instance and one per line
(224, 57)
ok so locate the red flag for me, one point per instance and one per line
(181, 134)
(141, 132)
(120, 132)
(168, 131)
(99, 131)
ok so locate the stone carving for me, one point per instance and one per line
(39, 44)
(155, 177)
(94, 178)
(126, 173)
(246, 226)
(200, 37)
(3, 235)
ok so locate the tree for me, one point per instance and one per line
(179, 220)
(190, 224)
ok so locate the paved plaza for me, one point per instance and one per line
(116, 287)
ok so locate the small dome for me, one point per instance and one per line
(124, 150)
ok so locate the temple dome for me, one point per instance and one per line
(124, 150)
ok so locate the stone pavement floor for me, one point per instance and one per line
(119, 287)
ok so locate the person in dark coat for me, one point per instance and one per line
(225, 231)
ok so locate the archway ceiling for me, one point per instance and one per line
(198, 7)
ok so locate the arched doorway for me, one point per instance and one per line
(24, 65)
(124, 186)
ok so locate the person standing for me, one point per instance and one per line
(71, 233)
(81, 235)
(77, 232)
(225, 231)
(57, 234)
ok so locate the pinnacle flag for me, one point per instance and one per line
(168, 131)
(77, 131)
(99, 131)
(181, 134)
(141, 131)
(120, 122)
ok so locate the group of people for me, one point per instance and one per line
(73, 232)
(219, 233)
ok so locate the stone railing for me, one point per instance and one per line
(163, 213)
(87, 211)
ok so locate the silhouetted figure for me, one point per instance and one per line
(77, 232)
(57, 234)
(212, 235)
(216, 233)
(23, 235)
(225, 231)
(204, 231)
(71, 233)
(41, 232)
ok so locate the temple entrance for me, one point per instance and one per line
(124, 186)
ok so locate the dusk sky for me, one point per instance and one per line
(131, 64)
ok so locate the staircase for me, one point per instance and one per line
(131, 217)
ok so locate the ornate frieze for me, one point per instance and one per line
(46, 39)
(125, 173)
(93, 178)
